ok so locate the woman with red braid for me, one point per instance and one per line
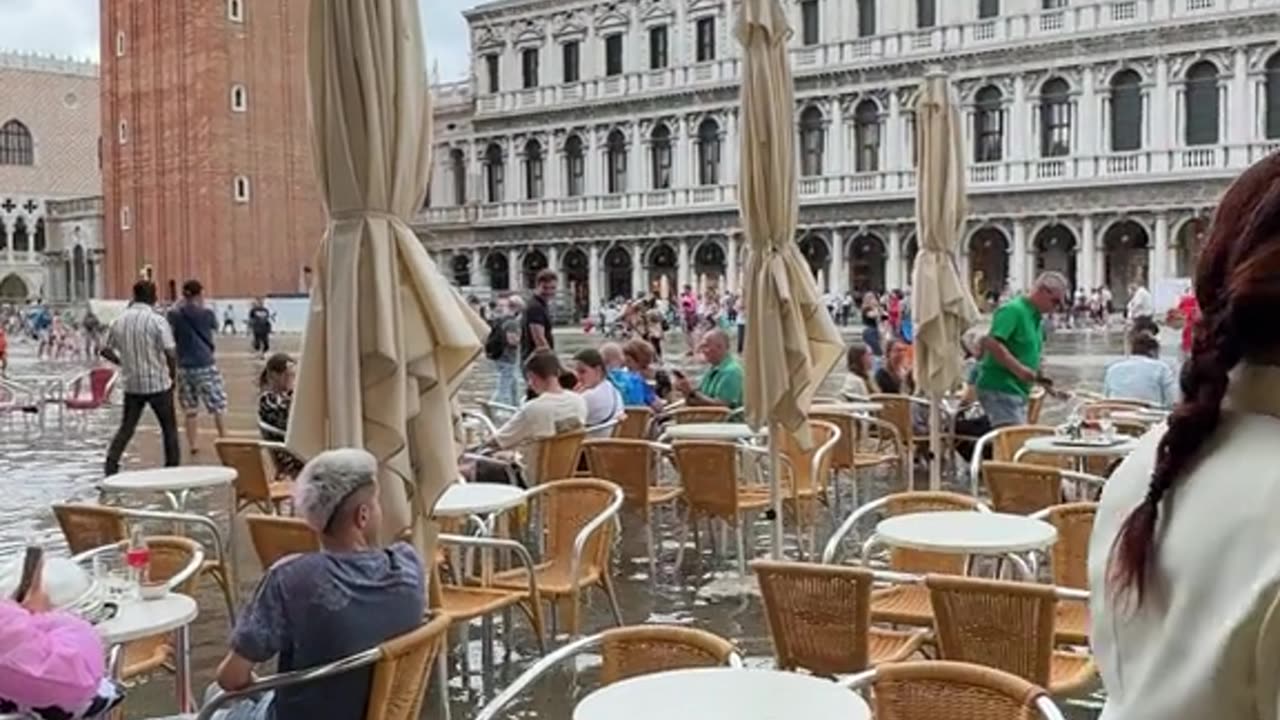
(1184, 562)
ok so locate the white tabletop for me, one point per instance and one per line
(711, 431)
(849, 407)
(142, 618)
(1054, 445)
(1140, 416)
(966, 532)
(184, 477)
(723, 694)
(463, 499)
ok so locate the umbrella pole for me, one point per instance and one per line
(935, 442)
(775, 488)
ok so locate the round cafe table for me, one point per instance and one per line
(855, 408)
(466, 499)
(723, 694)
(711, 431)
(137, 619)
(175, 482)
(965, 532)
(1080, 450)
(1146, 417)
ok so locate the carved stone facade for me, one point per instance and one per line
(601, 139)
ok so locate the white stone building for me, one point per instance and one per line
(49, 159)
(600, 138)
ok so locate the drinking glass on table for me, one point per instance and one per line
(1108, 428)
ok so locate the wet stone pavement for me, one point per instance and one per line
(60, 460)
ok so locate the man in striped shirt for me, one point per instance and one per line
(141, 343)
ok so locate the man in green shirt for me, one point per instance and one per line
(722, 385)
(1011, 351)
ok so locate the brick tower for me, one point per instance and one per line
(206, 151)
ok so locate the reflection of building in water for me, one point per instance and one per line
(601, 139)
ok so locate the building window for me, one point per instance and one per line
(529, 67)
(122, 132)
(1053, 4)
(926, 13)
(1055, 118)
(120, 44)
(812, 141)
(235, 10)
(458, 163)
(570, 52)
(616, 162)
(988, 120)
(1202, 104)
(658, 58)
(708, 153)
(988, 9)
(491, 67)
(1273, 97)
(866, 18)
(21, 242)
(706, 32)
(866, 136)
(126, 218)
(16, 145)
(239, 98)
(240, 189)
(533, 170)
(575, 162)
(613, 55)
(810, 23)
(1126, 111)
(660, 148)
(493, 177)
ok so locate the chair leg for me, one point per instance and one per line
(684, 537)
(742, 555)
(613, 599)
(533, 610)
(653, 560)
(486, 655)
(442, 682)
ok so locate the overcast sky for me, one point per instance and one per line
(70, 27)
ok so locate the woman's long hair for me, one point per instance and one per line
(1237, 283)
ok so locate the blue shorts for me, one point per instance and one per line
(1003, 409)
(202, 386)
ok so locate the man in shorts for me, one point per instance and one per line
(199, 382)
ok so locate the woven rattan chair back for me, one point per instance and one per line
(1070, 554)
(1021, 489)
(958, 691)
(86, 527)
(275, 537)
(709, 474)
(1004, 625)
(558, 455)
(629, 464)
(1009, 440)
(635, 424)
(818, 615)
(568, 507)
(700, 414)
(918, 561)
(842, 453)
(1099, 409)
(398, 686)
(642, 649)
(170, 555)
(897, 412)
(806, 477)
(245, 456)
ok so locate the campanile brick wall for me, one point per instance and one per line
(168, 69)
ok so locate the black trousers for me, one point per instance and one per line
(162, 405)
(262, 342)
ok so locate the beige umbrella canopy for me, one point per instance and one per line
(388, 338)
(941, 306)
(792, 342)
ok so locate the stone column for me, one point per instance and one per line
(590, 165)
(1161, 123)
(1018, 263)
(553, 169)
(1019, 126)
(679, 154)
(474, 279)
(6, 233)
(553, 262)
(682, 264)
(1085, 275)
(1160, 253)
(1086, 116)
(893, 130)
(635, 166)
(638, 284)
(731, 263)
(513, 270)
(838, 273)
(95, 276)
(513, 186)
(835, 149)
(897, 266)
(1238, 103)
(594, 280)
(729, 150)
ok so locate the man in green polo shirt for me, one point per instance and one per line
(722, 385)
(1012, 348)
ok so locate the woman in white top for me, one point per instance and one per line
(1184, 562)
(860, 365)
(604, 402)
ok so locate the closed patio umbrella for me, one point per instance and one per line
(387, 338)
(941, 306)
(792, 342)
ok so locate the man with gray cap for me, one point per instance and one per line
(318, 607)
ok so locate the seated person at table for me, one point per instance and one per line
(551, 412)
(858, 382)
(894, 376)
(604, 402)
(1142, 375)
(275, 397)
(633, 378)
(722, 384)
(315, 608)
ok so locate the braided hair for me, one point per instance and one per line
(1237, 283)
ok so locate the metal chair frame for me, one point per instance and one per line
(863, 681)
(832, 549)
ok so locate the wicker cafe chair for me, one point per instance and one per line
(398, 685)
(635, 466)
(253, 483)
(637, 421)
(628, 652)
(906, 604)
(275, 537)
(1023, 488)
(1004, 444)
(710, 473)
(847, 456)
(806, 474)
(578, 529)
(1099, 409)
(928, 690)
(898, 412)
(820, 619)
(699, 414)
(1008, 626)
(1069, 560)
(558, 456)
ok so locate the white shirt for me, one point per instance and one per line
(141, 337)
(1140, 304)
(604, 403)
(547, 415)
(1205, 643)
(1139, 377)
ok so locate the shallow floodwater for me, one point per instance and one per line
(61, 459)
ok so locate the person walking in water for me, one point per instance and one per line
(199, 381)
(260, 325)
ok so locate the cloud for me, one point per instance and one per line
(70, 28)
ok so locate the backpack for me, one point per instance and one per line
(495, 346)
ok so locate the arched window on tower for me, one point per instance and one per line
(616, 162)
(239, 98)
(660, 148)
(21, 236)
(866, 136)
(1273, 98)
(1202, 104)
(1126, 111)
(812, 142)
(38, 242)
(709, 153)
(576, 165)
(1055, 118)
(533, 170)
(458, 169)
(494, 174)
(988, 121)
(16, 145)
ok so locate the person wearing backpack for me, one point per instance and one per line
(503, 348)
